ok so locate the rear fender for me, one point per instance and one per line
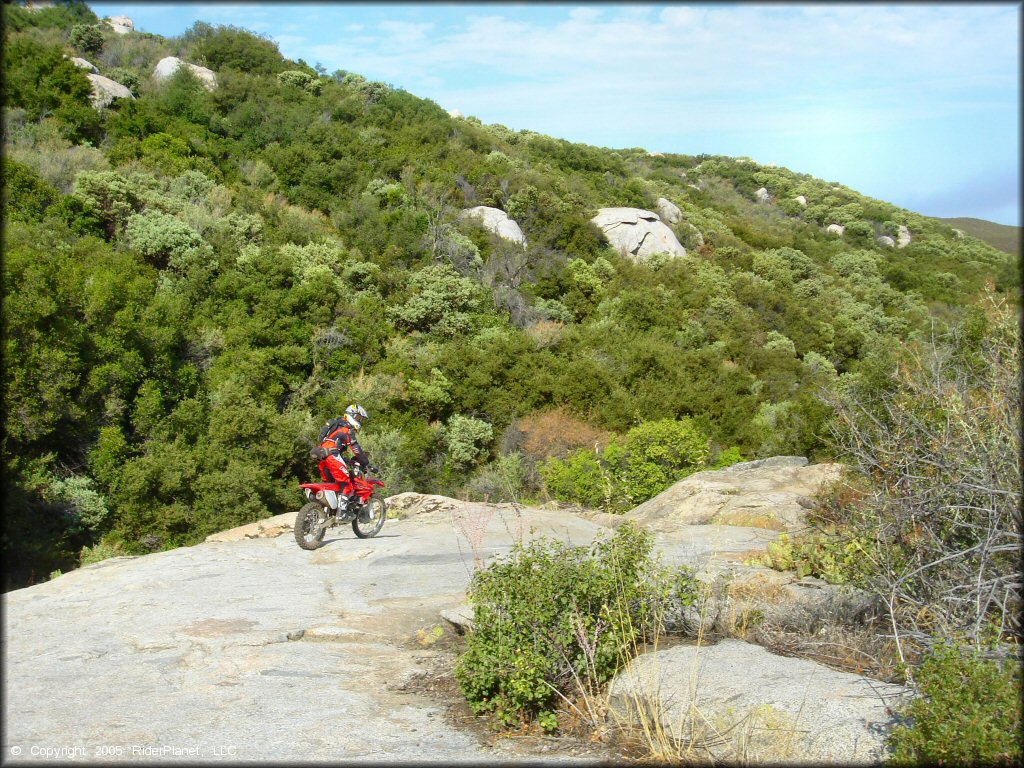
(322, 487)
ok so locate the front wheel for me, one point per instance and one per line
(371, 518)
(310, 525)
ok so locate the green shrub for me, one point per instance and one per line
(552, 617)
(229, 47)
(90, 508)
(26, 195)
(727, 458)
(102, 550)
(658, 453)
(467, 440)
(41, 81)
(502, 480)
(442, 302)
(160, 237)
(298, 78)
(125, 77)
(87, 38)
(577, 478)
(968, 712)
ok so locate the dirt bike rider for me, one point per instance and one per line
(336, 468)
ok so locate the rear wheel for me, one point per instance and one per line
(370, 518)
(310, 525)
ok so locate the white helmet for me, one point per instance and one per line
(355, 415)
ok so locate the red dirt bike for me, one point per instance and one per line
(365, 510)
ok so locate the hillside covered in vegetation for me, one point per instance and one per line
(196, 278)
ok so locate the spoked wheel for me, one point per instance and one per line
(370, 518)
(310, 525)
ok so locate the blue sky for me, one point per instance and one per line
(915, 104)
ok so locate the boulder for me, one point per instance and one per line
(886, 241)
(737, 702)
(802, 200)
(83, 64)
(105, 90)
(763, 196)
(122, 25)
(498, 222)
(169, 65)
(835, 229)
(959, 234)
(636, 233)
(770, 493)
(692, 235)
(455, 113)
(739, 598)
(903, 237)
(668, 211)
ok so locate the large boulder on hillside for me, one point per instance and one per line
(122, 25)
(770, 493)
(737, 702)
(668, 211)
(886, 242)
(83, 64)
(105, 90)
(835, 229)
(903, 237)
(763, 196)
(636, 233)
(167, 66)
(802, 200)
(498, 222)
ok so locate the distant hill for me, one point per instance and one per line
(1001, 236)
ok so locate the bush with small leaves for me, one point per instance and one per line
(126, 77)
(968, 712)
(578, 478)
(89, 507)
(88, 38)
(442, 302)
(160, 237)
(554, 619)
(657, 453)
(298, 78)
(467, 440)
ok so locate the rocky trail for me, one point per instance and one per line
(248, 648)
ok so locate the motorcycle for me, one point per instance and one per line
(366, 510)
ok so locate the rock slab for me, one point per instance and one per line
(737, 701)
(255, 645)
(636, 233)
